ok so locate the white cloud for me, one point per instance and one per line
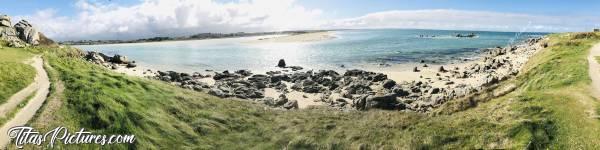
(466, 20)
(152, 18)
(173, 18)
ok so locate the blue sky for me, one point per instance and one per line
(92, 18)
(353, 8)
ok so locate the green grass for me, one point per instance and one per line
(547, 111)
(14, 74)
(13, 112)
(597, 58)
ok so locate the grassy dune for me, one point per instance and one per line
(14, 74)
(548, 110)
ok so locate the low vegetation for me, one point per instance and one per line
(549, 109)
(14, 74)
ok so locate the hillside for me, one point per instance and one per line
(549, 109)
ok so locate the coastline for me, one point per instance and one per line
(211, 36)
(456, 80)
(295, 38)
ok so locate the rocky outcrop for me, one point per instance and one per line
(5, 21)
(21, 33)
(281, 63)
(7, 33)
(109, 62)
(27, 33)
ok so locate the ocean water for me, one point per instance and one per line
(351, 48)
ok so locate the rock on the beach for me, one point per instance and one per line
(416, 69)
(281, 100)
(281, 63)
(217, 92)
(131, 65)
(118, 59)
(387, 101)
(292, 104)
(388, 84)
(442, 69)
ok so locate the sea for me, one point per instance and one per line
(349, 49)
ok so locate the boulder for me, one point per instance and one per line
(5, 21)
(295, 68)
(387, 101)
(293, 104)
(118, 59)
(217, 92)
(244, 72)
(27, 33)
(379, 77)
(281, 100)
(94, 57)
(281, 63)
(388, 84)
(400, 91)
(416, 69)
(442, 69)
(131, 65)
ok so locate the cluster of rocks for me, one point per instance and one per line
(19, 35)
(354, 89)
(109, 62)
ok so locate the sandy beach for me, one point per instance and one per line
(305, 37)
(457, 78)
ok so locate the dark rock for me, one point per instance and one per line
(118, 59)
(244, 72)
(416, 69)
(442, 69)
(379, 77)
(435, 91)
(281, 63)
(387, 101)
(400, 92)
(131, 65)
(293, 104)
(295, 68)
(217, 92)
(281, 100)
(388, 84)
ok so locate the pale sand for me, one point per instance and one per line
(139, 71)
(594, 70)
(594, 73)
(305, 37)
(305, 100)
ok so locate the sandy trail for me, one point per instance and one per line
(20, 96)
(594, 72)
(41, 86)
(594, 69)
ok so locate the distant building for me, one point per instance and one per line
(596, 30)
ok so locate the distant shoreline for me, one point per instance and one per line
(201, 36)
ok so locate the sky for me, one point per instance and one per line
(131, 19)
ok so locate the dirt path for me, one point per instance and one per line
(20, 96)
(41, 86)
(594, 69)
(594, 72)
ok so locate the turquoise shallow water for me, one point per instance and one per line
(350, 48)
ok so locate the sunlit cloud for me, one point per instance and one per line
(466, 20)
(152, 18)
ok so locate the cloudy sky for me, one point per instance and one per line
(130, 19)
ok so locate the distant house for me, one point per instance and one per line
(596, 30)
